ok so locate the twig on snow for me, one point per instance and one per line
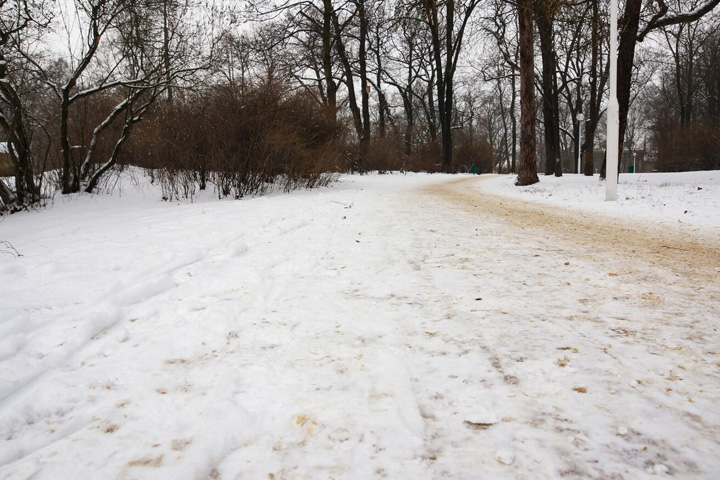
(347, 207)
(9, 249)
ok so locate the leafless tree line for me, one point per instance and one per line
(283, 94)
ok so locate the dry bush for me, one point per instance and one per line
(471, 154)
(242, 141)
(696, 147)
(426, 158)
(384, 156)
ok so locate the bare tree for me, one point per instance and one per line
(447, 27)
(527, 168)
(573, 51)
(597, 82)
(503, 71)
(123, 54)
(630, 34)
(17, 18)
(545, 12)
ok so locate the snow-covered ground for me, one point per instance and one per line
(372, 329)
(688, 197)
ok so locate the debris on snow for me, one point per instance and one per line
(505, 457)
(226, 339)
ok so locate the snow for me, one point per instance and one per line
(689, 197)
(384, 327)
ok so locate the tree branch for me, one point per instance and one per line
(659, 20)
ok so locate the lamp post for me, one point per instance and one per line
(613, 115)
(580, 117)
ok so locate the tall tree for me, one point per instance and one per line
(17, 17)
(573, 51)
(630, 34)
(545, 19)
(597, 83)
(121, 56)
(527, 168)
(364, 85)
(449, 25)
(504, 71)
(362, 127)
(403, 69)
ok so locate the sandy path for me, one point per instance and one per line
(644, 314)
(692, 256)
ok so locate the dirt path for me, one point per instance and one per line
(691, 257)
(638, 301)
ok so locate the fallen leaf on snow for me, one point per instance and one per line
(146, 462)
(180, 443)
(478, 426)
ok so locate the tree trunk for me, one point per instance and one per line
(440, 82)
(365, 94)
(629, 26)
(89, 161)
(382, 100)
(350, 83)
(431, 113)
(12, 122)
(594, 106)
(506, 136)
(527, 169)
(166, 50)
(13, 125)
(410, 123)
(6, 195)
(550, 92)
(95, 178)
(447, 114)
(327, 61)
(513, 120)
(407, 96)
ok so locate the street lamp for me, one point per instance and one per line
(580, 117)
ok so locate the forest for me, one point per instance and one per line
(246, 97)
